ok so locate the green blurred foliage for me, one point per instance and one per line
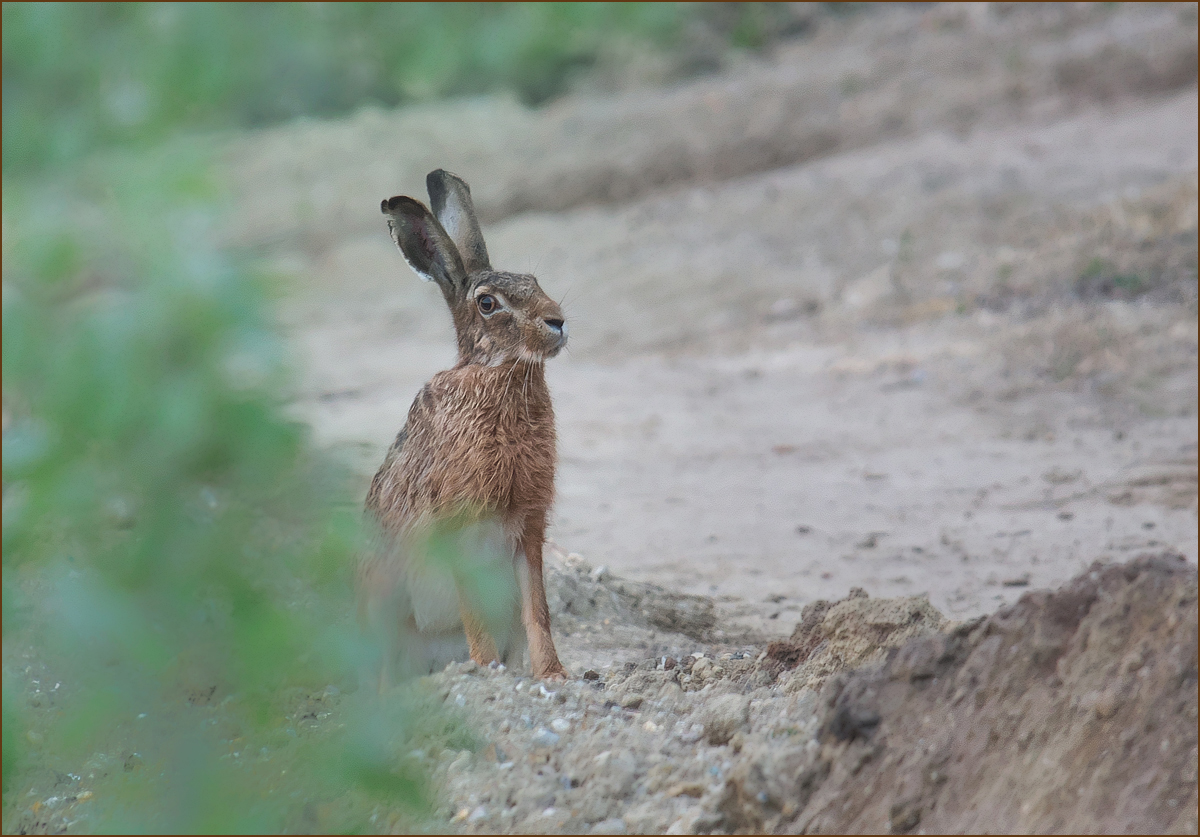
(177, 556)
(83, 75)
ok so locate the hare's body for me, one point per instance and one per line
(470, 479)
(483, 435)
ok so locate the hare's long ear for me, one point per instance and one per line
(425, 245)
(450, 199)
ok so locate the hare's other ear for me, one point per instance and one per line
(425, 245)
(450, 198)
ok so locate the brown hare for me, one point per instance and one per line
(470, 477)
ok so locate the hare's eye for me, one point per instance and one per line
(487, 303)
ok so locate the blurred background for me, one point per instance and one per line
(898, 296)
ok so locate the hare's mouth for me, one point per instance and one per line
(540, 355)
(536, 347)
(555, 346)
(544, 343)
(556, 330)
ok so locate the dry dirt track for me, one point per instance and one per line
(875, 325)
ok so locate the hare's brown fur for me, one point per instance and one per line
(478, 446)
(476, 435)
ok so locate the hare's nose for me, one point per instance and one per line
(555, 324)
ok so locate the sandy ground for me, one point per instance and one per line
(881, 364)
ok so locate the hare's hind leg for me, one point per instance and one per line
(513, 644)
(487, 545)
(507, 645)
(481, 644)
(383, 618)
(535, 612)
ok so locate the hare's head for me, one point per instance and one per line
(498, 316)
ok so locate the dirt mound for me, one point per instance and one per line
(642, 746)
(849, 634)
(1071, 711)
(579, 592)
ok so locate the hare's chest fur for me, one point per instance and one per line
(478, 440)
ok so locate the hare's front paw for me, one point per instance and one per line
(555, 673)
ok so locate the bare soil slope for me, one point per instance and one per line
(1071, 711)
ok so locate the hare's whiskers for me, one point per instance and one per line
(525, 389)
(507, 381)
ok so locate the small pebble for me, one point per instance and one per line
(615, 825)
(545, 738)
(1106, 705)
(693, 789)
(560, 725)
